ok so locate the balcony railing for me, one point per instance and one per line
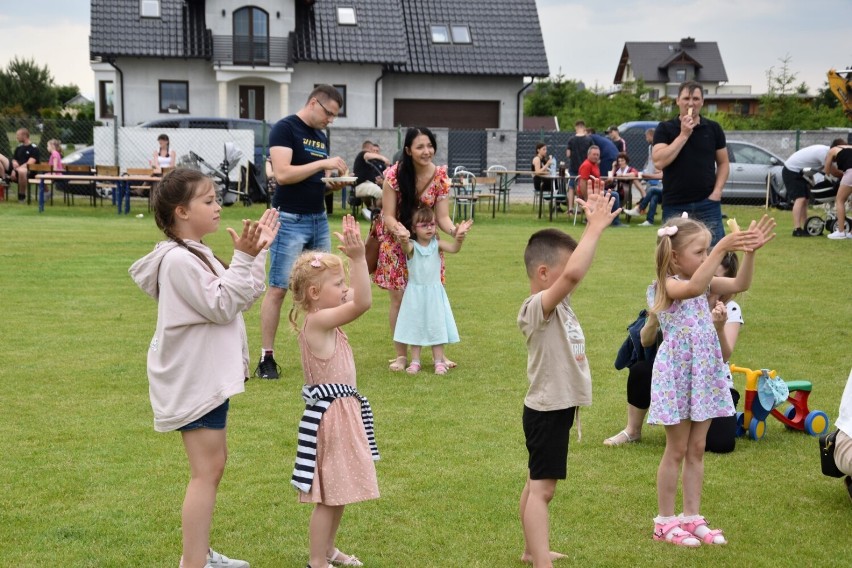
(254, 52)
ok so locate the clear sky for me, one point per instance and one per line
(583, 39)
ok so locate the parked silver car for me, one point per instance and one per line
(750, 166)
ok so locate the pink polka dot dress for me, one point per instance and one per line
(345, 471)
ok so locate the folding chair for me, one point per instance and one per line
(464, 193)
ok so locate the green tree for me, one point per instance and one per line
(25, 83)
(65, 93)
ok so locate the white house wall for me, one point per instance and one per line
(360, 82)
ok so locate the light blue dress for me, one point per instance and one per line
(425, 317)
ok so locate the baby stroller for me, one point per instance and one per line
(823, 193)
(228, 191)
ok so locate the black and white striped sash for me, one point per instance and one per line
(317, 400)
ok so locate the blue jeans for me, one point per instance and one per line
(707, 211)
(616, 203)
(653, 195)
(298, 233)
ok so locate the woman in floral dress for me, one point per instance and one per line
(412, 182)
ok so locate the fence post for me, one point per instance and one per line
(798, 138)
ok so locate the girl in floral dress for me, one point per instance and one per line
(412, 182)
(689, 382)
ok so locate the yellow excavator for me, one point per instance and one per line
(840, 83)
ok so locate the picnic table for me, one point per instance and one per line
(121, 196)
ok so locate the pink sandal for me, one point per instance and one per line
(440, 368)
(414, 368)
(678, 535)
(710, 537)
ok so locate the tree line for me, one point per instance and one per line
(29, 90)
(782, 108)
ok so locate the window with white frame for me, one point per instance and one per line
(440, 33)
(460, 33)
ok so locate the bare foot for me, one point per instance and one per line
(450, 364)
(526, 557)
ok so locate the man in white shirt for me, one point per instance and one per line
(843, 449)
(798, 188)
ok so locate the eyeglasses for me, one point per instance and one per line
(425, 225)
(328, 113)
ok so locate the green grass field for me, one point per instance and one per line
(87, 482)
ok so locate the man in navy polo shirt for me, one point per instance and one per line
(299, 151)
(691, 151)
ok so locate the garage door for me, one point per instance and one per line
(446, 113)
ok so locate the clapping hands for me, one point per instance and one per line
(598, 205)
(258, 235)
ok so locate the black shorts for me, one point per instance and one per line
(546, 435)
(797, 186)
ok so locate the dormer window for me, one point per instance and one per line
(454, 33)
(460, 33)
(346, 16)
(440, 34)
(149, 8)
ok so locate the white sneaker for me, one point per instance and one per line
(216, 560)
(366, 213)
(838, 235)
(632, 212)
(646, 224)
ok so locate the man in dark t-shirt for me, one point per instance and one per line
(299, 152)
(25, 155)
(369, 168)
(691, 150)
(578, 149)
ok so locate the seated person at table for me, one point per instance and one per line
(591, 169)
(369, 169)
(541, 167)
(621, 168)
(26, 154)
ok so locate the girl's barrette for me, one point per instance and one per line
(316, 261)
(667, 231)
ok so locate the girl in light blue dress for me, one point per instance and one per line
(425, 317)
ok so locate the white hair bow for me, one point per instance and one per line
(667, 231)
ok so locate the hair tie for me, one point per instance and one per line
(316, 261)
(684, 215)
(667, 231)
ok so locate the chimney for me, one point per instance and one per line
(687, 42)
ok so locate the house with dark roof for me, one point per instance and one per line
(439, 63)
(663, 65)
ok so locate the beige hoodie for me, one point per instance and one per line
(198, 357)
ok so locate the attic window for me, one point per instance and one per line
(346, 16)
(460, 33)
(149, 8)
(440, 34)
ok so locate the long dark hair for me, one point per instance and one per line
(177, 188)
(405, 176)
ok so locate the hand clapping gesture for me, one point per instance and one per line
(462, 229)
(258, 235)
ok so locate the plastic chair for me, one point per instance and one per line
(464, 193)
(501, 188)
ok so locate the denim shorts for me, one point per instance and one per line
(298, 233)
(214, 420)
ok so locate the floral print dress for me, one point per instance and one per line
(689, 380)
(392, 268)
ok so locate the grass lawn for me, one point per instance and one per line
(87, 482)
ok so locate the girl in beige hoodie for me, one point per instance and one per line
(198, 357)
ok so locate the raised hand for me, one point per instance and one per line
(269, 223)
(352, 244)
(598, 206)
(251, 240)
(764, 229)
(463, 228)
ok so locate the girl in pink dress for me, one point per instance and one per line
(334, 462)
(689, 380)
(411, 183)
